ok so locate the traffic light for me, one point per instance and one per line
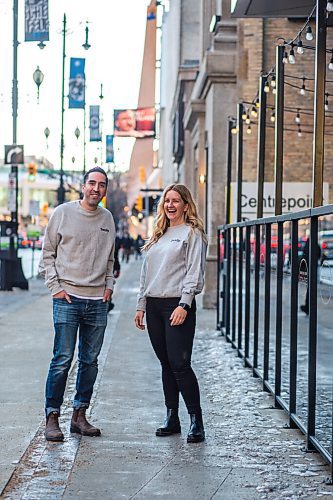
(142, 174)
(139, 203)
(32, 171)
(44, 208)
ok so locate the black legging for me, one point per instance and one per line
(173, 347)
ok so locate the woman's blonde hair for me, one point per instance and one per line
(162, 223)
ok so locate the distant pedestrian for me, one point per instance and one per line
(172, 274)
(127, 245)
(116, 268)
(304, 272)
(138, 244)
(77, 262)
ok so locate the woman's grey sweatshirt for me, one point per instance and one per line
(174, 266)
(78, 250)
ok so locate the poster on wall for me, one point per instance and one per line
(138, 123)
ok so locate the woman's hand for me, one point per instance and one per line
(178, 316)
(138, 320)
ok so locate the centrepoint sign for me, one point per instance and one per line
(296, 196)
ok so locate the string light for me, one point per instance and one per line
(299, 133)
(244, 115)
(234, 130)
(266, 87)
(303, 90)
(257, 103)
(273, 82)
(326, 102)
(300, 48)
(273, 117)
(285, 57)
(298, 117)
(291, 58)
(309, 34)
(254, 112)
(247, 120)
(329, 6)
(274, 91)
(330, 64)
(249, 130)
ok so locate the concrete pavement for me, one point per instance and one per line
(249, 452)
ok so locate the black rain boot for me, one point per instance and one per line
(171, 424)
(196, 434)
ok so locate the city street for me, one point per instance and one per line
(249, 452)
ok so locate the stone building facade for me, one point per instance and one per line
(214, 62)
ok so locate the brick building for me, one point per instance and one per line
(215, 61)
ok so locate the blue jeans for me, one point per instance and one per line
(89, 317)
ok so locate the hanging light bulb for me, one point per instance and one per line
(298, 117)
(273, 82)
(254, 112)
(247, 120)
(326, 102)
(303, 89)
(249, 130)
(299, 133)
(285, 57)
(329, 6)
(309, 34)
(300, 48)
(273, 117)
(274, 91)
(257, 103)
(291, 58)
(266, 87)
(234, 130)
(244, 115)
(330, 64)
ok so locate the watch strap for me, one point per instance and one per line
(184, 306)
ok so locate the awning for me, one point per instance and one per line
(271, 8)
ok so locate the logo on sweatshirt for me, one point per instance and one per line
(176, 239)
(105, 229)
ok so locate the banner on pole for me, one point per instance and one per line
(77, 83)
(109, 149)
(95, 134)
(36, 20)
(139, 123)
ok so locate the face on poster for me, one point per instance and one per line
(139, 123)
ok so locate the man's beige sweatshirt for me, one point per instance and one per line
(78, 250)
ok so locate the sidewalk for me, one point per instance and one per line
(248, 454)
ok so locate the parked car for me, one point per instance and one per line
(325, 240)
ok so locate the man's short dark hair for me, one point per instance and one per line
(95, 169)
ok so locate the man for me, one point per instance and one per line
(77, 263)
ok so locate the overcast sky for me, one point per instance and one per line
(116, 35)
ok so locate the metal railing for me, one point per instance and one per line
(267, 269)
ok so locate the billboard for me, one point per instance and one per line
(139, 123)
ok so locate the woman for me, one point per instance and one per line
(172, 274)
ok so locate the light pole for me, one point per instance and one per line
(11, 273)
(61, 189)
(86, 46)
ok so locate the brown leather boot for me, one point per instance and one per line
(80, 425)
(52, 429)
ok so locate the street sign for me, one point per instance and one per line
(14, 155)
(34, 208)
(12, 192)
